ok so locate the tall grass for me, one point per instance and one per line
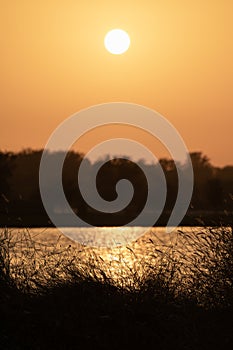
(169, 284)
(197, 264)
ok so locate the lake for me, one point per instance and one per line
(101, 237)
(107, 241)
(39, 251)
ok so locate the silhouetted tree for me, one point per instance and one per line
(6, 168)
(20, 193)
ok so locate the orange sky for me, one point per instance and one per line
(180, 63)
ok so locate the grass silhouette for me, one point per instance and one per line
(178, 295)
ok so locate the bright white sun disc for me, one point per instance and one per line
(117, 41)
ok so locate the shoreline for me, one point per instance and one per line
(195, 218)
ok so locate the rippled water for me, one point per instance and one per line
(111, 241)
(45, 249)
(98, 237)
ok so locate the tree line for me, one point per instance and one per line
(20, 193)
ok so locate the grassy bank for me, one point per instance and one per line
(177, 296)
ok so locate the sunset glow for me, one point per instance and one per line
(179, 63)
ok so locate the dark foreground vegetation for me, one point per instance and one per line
(174, 297)
(21, 205)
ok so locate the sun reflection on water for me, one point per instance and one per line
(44, 249)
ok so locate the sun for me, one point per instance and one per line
(117, 41)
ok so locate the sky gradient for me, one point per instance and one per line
(53, 63)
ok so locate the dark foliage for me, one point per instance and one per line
(65, 305)
(20, 202)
